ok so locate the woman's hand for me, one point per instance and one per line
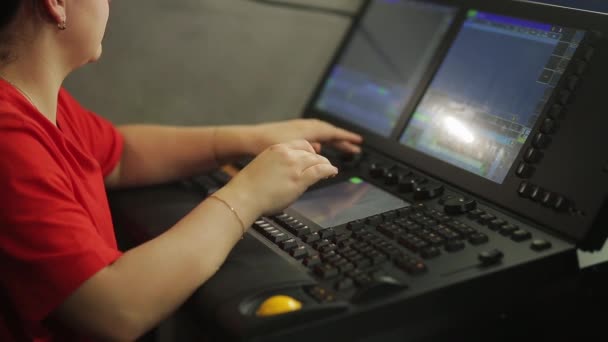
(316, 132)
(277, 177)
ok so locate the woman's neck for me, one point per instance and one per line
(36, 72)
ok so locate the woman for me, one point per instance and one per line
(62, 277)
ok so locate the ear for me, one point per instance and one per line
(56, 10)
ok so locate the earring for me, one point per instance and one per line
(62, 26)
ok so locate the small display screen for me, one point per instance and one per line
(490, 91)
(345, 202)
(390, 51)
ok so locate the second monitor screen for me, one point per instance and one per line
(384, 62)
(489, 92)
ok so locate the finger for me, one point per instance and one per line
(316, 146)
(342, 134)
(301, 145)
(306, 159)
(347, 146)
(318, 172)
(331, 132)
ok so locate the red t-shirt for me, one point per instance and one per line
(55, 225)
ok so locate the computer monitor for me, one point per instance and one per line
(489, 92)
(387, 56)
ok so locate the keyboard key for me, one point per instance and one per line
(374, 220)
(310, 238)
(341, 237)
(312, 261)
(411, 266)
(430, 252)
(326, 271)
(344, 284)
(327, 233)
(486, 218)
(299, 252)
(356, 225)
(475, 213)
(288, 244)
(327, 248)
(454, 245)
(302, 231)
(496, 224)
(322, 295)
(363, 263)
(321, 243)
(346, 267)
(278, 237)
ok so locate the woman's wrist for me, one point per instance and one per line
(244, 203)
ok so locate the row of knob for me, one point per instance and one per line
(422, 189)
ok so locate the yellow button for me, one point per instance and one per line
(277, 305)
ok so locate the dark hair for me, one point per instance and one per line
(8, 10)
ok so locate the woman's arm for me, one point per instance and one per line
(157, 154)
(124, 300)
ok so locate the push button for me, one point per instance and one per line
(410, 182)
(541, 141)
(377, 170)
(564, 97)
(580, 67)
(428, 191)
(525, 170)
(537, 193)
(561, 204)
(589, 52)
(556, 111)
(549, 126)
(521, 235)
(540, 245)
(524, 190)
(573, 82)
(533, 155)
(489, 258)
(548, 199)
